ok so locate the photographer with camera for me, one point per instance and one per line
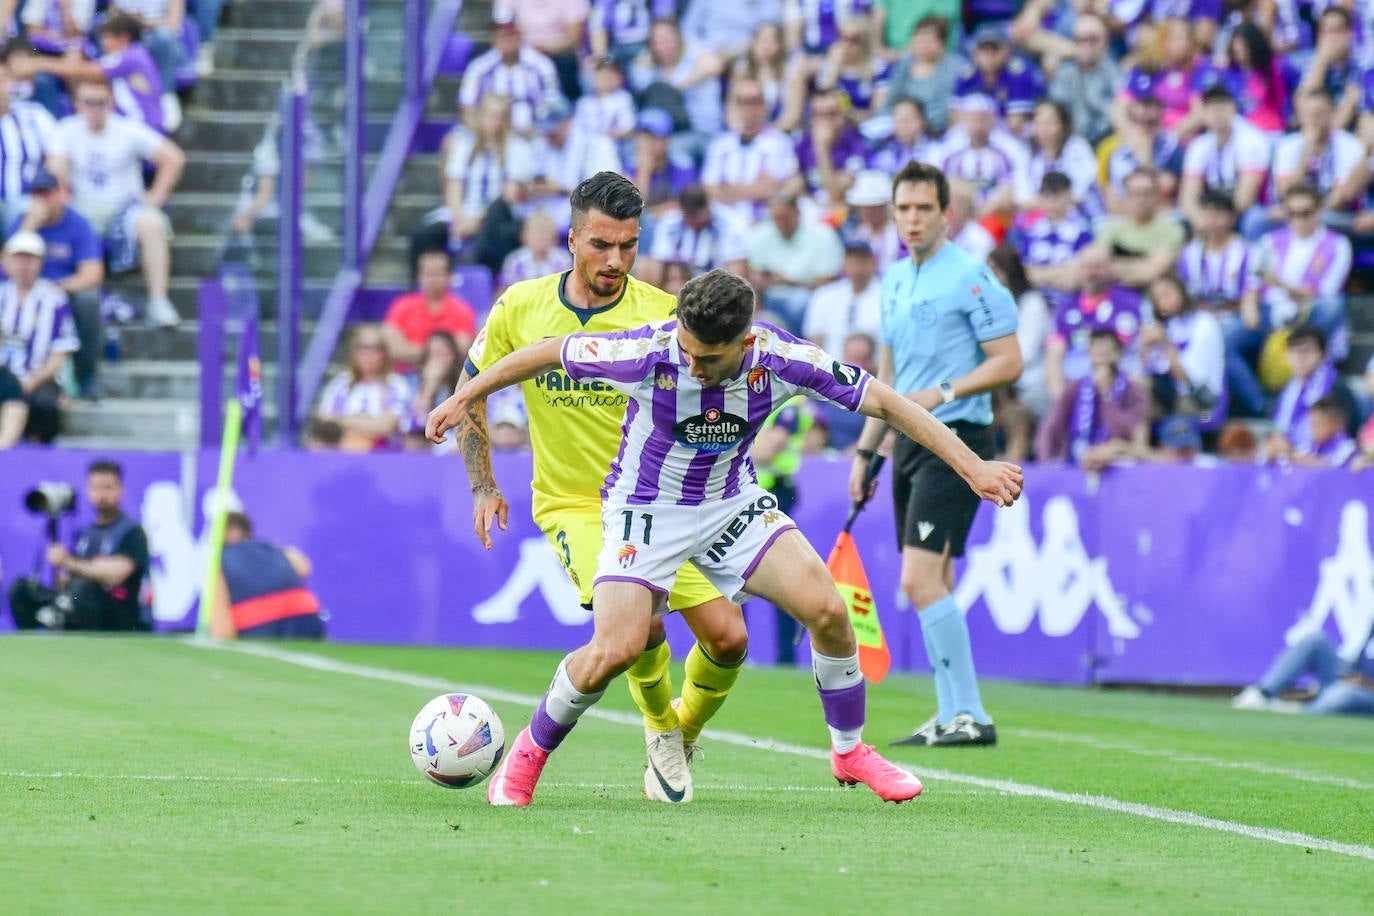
(98, 582)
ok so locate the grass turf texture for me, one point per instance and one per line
(217, 781)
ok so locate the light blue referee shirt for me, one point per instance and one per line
(935, 316)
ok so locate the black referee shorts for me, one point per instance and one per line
(934, 506)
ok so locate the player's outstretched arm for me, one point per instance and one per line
(996, 481)
(525, 363)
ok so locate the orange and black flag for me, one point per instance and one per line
(847, 569)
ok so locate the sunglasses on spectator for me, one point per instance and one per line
(1304, 213)
(369, 345)
(748, 100)
(94, 103)
(1089, 38)
(852, 39)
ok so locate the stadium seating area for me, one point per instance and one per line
(1193, 177)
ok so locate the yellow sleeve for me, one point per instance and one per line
(494, 340)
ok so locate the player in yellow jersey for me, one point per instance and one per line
(575, 435)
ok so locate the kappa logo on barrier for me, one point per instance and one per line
(1345, 585)
(758, 509)
(1055, 580)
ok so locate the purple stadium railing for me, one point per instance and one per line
(365, 211)
(290, 256)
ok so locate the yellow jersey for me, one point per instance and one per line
(574, 427)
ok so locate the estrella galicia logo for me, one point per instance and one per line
(845, 375)
(760, 508)
(712, 431)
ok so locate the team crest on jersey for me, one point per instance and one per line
(758, 380)
(665, 380)
(627, 555)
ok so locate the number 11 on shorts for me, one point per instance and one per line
(648, 520)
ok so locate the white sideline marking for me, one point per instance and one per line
(1101, 802)
(1179, 757)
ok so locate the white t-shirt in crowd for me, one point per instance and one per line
(106, 168)
(836, 311)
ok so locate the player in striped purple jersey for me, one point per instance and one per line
(682, 488)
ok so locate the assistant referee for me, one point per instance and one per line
(948, 339)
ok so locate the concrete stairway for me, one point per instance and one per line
(151, 391)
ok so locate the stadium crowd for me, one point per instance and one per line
(1177, 194)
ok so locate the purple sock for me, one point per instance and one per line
(545, 732)
(844, 708)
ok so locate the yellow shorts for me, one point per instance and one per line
(575, 537)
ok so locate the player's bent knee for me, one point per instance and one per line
(611, 657)
(728, 645)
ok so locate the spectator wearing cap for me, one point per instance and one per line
(75, 262)
(870, 218)
(926, 72)
(124, 61)
(746, 166)
(1170, 67)
(555, 28)
(789, 257)
(1178, 441)
(970, 155)
(1143, 144)
(1101, 305)
(1048, 240)
(1184, 353)
(855, 67)
(850, 305)
(1011, 80)
(101, 157)
(961, 227)
(699, 233)
(1055, 148)
(37, 335)
(1099, 418)
(620, 28)
(1086, 83)
(725, 26)
(1142, 245)
(909, 142)
(610, 110)
(1330, 158)
(1229, 157)
(828, 153)
(660, 172)
(26, 132)
(512, 69)
(1334, 66)
(1314, 377)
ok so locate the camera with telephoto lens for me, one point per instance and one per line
(51, 499)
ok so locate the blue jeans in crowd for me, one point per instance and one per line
(207, 14)
(167, 52)
(1243, 346)
(1316, 656)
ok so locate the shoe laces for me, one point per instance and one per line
(694, 752)
(524, 768)
(669, 764)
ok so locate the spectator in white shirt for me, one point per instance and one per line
(1330, 159)
(789, 257)
(1304, 266)
(1184, 353)
(555, 28)
(1231, 157)
(747, 166)
(1055, 148)
(699, 233)
(484, 165)
(37, 337)
(849, 305)
(514, 70)
(564, 156)
(100, 157)
(366, 402)
(611, 110)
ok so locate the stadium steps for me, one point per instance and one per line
(1360, 311)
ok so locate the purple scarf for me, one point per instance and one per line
(1086, 425)
(1296, 399)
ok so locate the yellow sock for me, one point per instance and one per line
(706, 685)
(651, 686)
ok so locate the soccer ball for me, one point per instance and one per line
(457, 740)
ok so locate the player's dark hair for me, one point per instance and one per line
(612, 194)
(1216, 199)
(121, 23)
(106, 466)
(1055, 183)
(1217, 93)
(1106, 334)
(716, 307)
(431, 253)
(923, 173)
(1309, 333)
(239, 521)
(1333, 407)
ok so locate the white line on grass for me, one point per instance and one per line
(1180, 757)
(1103, 803)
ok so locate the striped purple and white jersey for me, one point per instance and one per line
(685, 444)
(344, 397)
(1224, 276)
(531, 83)
(35, 327)
(26, 133)
(821, 19)
(733, 160)
(988, 168)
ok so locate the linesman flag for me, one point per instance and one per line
(248, 380)
(847, 569)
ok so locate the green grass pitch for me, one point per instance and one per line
(154, 775)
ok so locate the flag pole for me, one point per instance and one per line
(219, 508)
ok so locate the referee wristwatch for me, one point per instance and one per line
(946, 390)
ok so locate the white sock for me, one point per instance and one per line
(565, 703)
(835, 673)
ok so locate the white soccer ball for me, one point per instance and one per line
(457, 740)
